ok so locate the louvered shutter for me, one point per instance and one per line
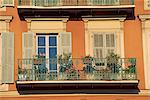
(7, 57)
(98, 46)
(110, 43)
(66, 42)
(8, 2)
(28, 44)
(33, 2)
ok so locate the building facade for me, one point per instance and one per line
(81, 27)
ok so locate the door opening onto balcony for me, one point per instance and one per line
(46, 47)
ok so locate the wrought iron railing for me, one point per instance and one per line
(76, 69)
(49, 3)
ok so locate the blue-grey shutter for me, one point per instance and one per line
(7, 57)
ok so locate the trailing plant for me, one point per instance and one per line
(112, 62)
(65, 62)
(88, 61)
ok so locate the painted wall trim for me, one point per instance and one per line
(47, 19)
(145, 35)
(3, 18)
(65, 7)
(100, 19)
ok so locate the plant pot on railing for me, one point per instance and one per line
(129, 72)
(38, 61)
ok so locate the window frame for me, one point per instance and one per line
(104, 48)
(47, 47)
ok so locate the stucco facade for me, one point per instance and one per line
(132, 37)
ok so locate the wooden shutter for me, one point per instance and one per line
(8, 2)
(28, 44)
(7, 57)
(110, 43)
(66, 42)
(98, 45)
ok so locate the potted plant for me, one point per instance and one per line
(88, 68)
(22, 74)
(130, 71)
(39, 70)
(39, 59)
(65, 64)
(113, 64)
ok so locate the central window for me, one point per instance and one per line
(103, 44)
(47, 45)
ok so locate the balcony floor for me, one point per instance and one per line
(76, 11)
(83, 87)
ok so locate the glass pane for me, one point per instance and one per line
(98, 40)
(53, 66)
(52, 52)
(41, 50)
(110, 40)
(53, 56)
(52, 41)
(110, 51)
(41, 41)
(98, 53)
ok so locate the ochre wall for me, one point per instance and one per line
(79, 97)
(78, 38)
(133, 40)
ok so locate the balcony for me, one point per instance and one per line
(75, 8)
(57, 3)
(77, 76)
(4, 3)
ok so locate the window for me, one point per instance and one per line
(105, 2)
(7, 2)
(43, 2)
(103, 44)
(47, 45)
(146, 4)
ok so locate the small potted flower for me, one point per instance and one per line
(87, 60)
(88, 68)
(38, 59)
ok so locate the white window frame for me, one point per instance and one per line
(104, 48)
(47, 48)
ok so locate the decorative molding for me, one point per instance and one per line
(47, 19)
(145, 33)
(28, 24)
(99, 19)
(7, 19)
(143, 17)
(3, 18)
